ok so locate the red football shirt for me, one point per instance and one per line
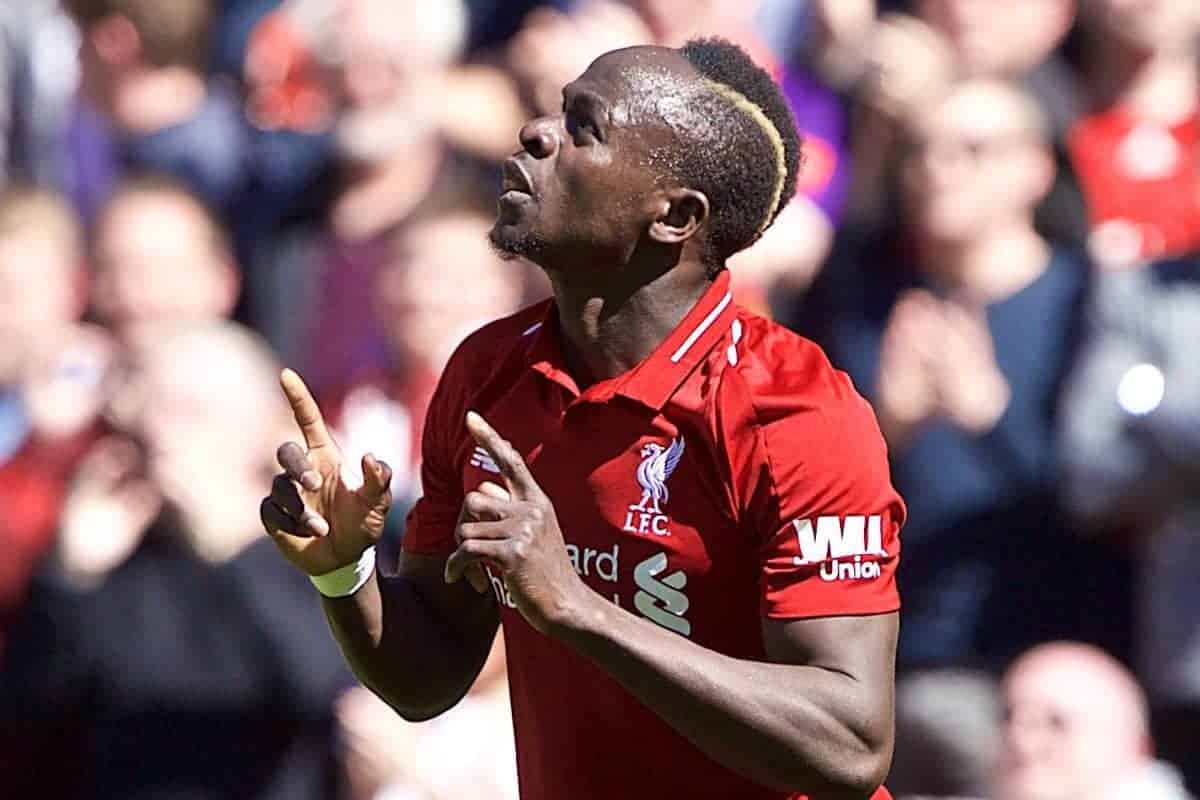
(1141, 182)
(732, 475)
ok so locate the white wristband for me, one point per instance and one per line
(345, 581)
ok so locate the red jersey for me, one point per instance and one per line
(734, 474)
(1141, 182)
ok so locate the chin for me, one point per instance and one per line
(513, 240)
(948, 225)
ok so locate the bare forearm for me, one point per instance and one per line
(795, 728)
(405, 650)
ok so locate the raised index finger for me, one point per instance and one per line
(516, 474)
(305, 410)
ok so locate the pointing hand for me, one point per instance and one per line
(318, 521)
(515, 531)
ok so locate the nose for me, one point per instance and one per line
(539, 137)
(1022, 735)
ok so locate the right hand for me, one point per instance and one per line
(317, 520)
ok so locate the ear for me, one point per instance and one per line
(81, 287)
(228, 288)
(1042, 173)
(679, 213)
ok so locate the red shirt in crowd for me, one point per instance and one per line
(1141, 182)
(733, 475)
(33, 488)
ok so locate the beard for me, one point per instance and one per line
(510, 242)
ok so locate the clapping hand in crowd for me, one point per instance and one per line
(972, 392)
(109, 507)
(937, 361)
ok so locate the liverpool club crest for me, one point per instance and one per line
(658, 462)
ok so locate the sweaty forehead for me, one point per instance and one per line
(635, 79)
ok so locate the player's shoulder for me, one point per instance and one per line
(494, 347)
(785, 374)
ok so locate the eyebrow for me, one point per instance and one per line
(586, 99)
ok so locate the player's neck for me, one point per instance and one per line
(610, 326)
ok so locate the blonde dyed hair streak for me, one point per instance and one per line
(752, 109)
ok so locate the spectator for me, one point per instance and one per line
(1014, 41)
(385, 73)
(1138, 151)
(1076, 726)
(422, 313)
(934, 327)
(908, 62)
(51, 370)
(144, 72)
(904, 69)
(1018, 41)
(191, 670)
(1131, 452)
(160, 256)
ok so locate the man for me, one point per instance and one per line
(159, 654)
(1138, 151)
(160, 256)
(1130, 451)
(1013, 41)
(150, 103)
(52, 367)
(1076, 725)
(933, 325)
(694, 547)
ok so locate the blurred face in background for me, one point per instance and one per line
(1073, 726)
(41, 283)
(202, 400)
(674, 21)
(158, 257)
(388, 60)
(976, 164)
(1000, 39)
(1146, 26)
(442, 282)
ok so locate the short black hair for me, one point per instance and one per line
(730, 155)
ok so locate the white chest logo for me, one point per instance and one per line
(658, 462)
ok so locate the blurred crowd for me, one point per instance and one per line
(996, 233)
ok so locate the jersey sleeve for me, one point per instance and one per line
(829, 516)
(430, 524)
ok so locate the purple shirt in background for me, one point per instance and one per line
(91, 162)
(347, 340)
(208, 153)
(825, 173)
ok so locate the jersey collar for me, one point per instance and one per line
(655, 380)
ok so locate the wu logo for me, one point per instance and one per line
(658, 462)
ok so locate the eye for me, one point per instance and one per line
(577, 126)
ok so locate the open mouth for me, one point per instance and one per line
(516, 179)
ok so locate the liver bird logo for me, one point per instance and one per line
(658, 463)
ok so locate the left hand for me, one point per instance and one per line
(518, 535)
